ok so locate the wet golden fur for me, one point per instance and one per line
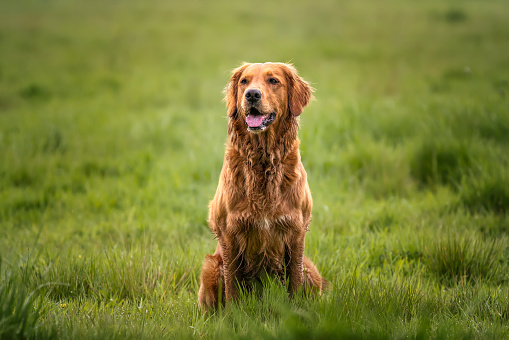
(262, 207)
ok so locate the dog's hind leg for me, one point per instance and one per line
(211, 283)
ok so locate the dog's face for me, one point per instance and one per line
(264, 94)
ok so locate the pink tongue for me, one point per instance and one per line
(254, 121)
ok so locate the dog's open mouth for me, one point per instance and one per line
(256, 121)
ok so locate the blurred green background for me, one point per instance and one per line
(112, 132)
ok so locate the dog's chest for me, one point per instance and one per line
(257, 188)
(267, 224)
(273, 225)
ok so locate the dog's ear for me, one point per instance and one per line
(231, 89)
(299, 91)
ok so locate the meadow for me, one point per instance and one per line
(112, 132)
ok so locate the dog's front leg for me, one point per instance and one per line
(231, 264)
(296, 263)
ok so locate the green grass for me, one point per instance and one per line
(112, 131)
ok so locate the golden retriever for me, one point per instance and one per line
(262, 207)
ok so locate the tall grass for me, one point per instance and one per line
(456, 259)
(112, 131)
(19, 313)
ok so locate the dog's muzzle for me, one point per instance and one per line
(256, 121)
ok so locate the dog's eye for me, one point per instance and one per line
(273, 81)
(243, 81)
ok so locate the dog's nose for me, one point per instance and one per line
(253, 95)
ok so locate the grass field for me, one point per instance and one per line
(112, 132)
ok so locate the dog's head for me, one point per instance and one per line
(264, 94)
